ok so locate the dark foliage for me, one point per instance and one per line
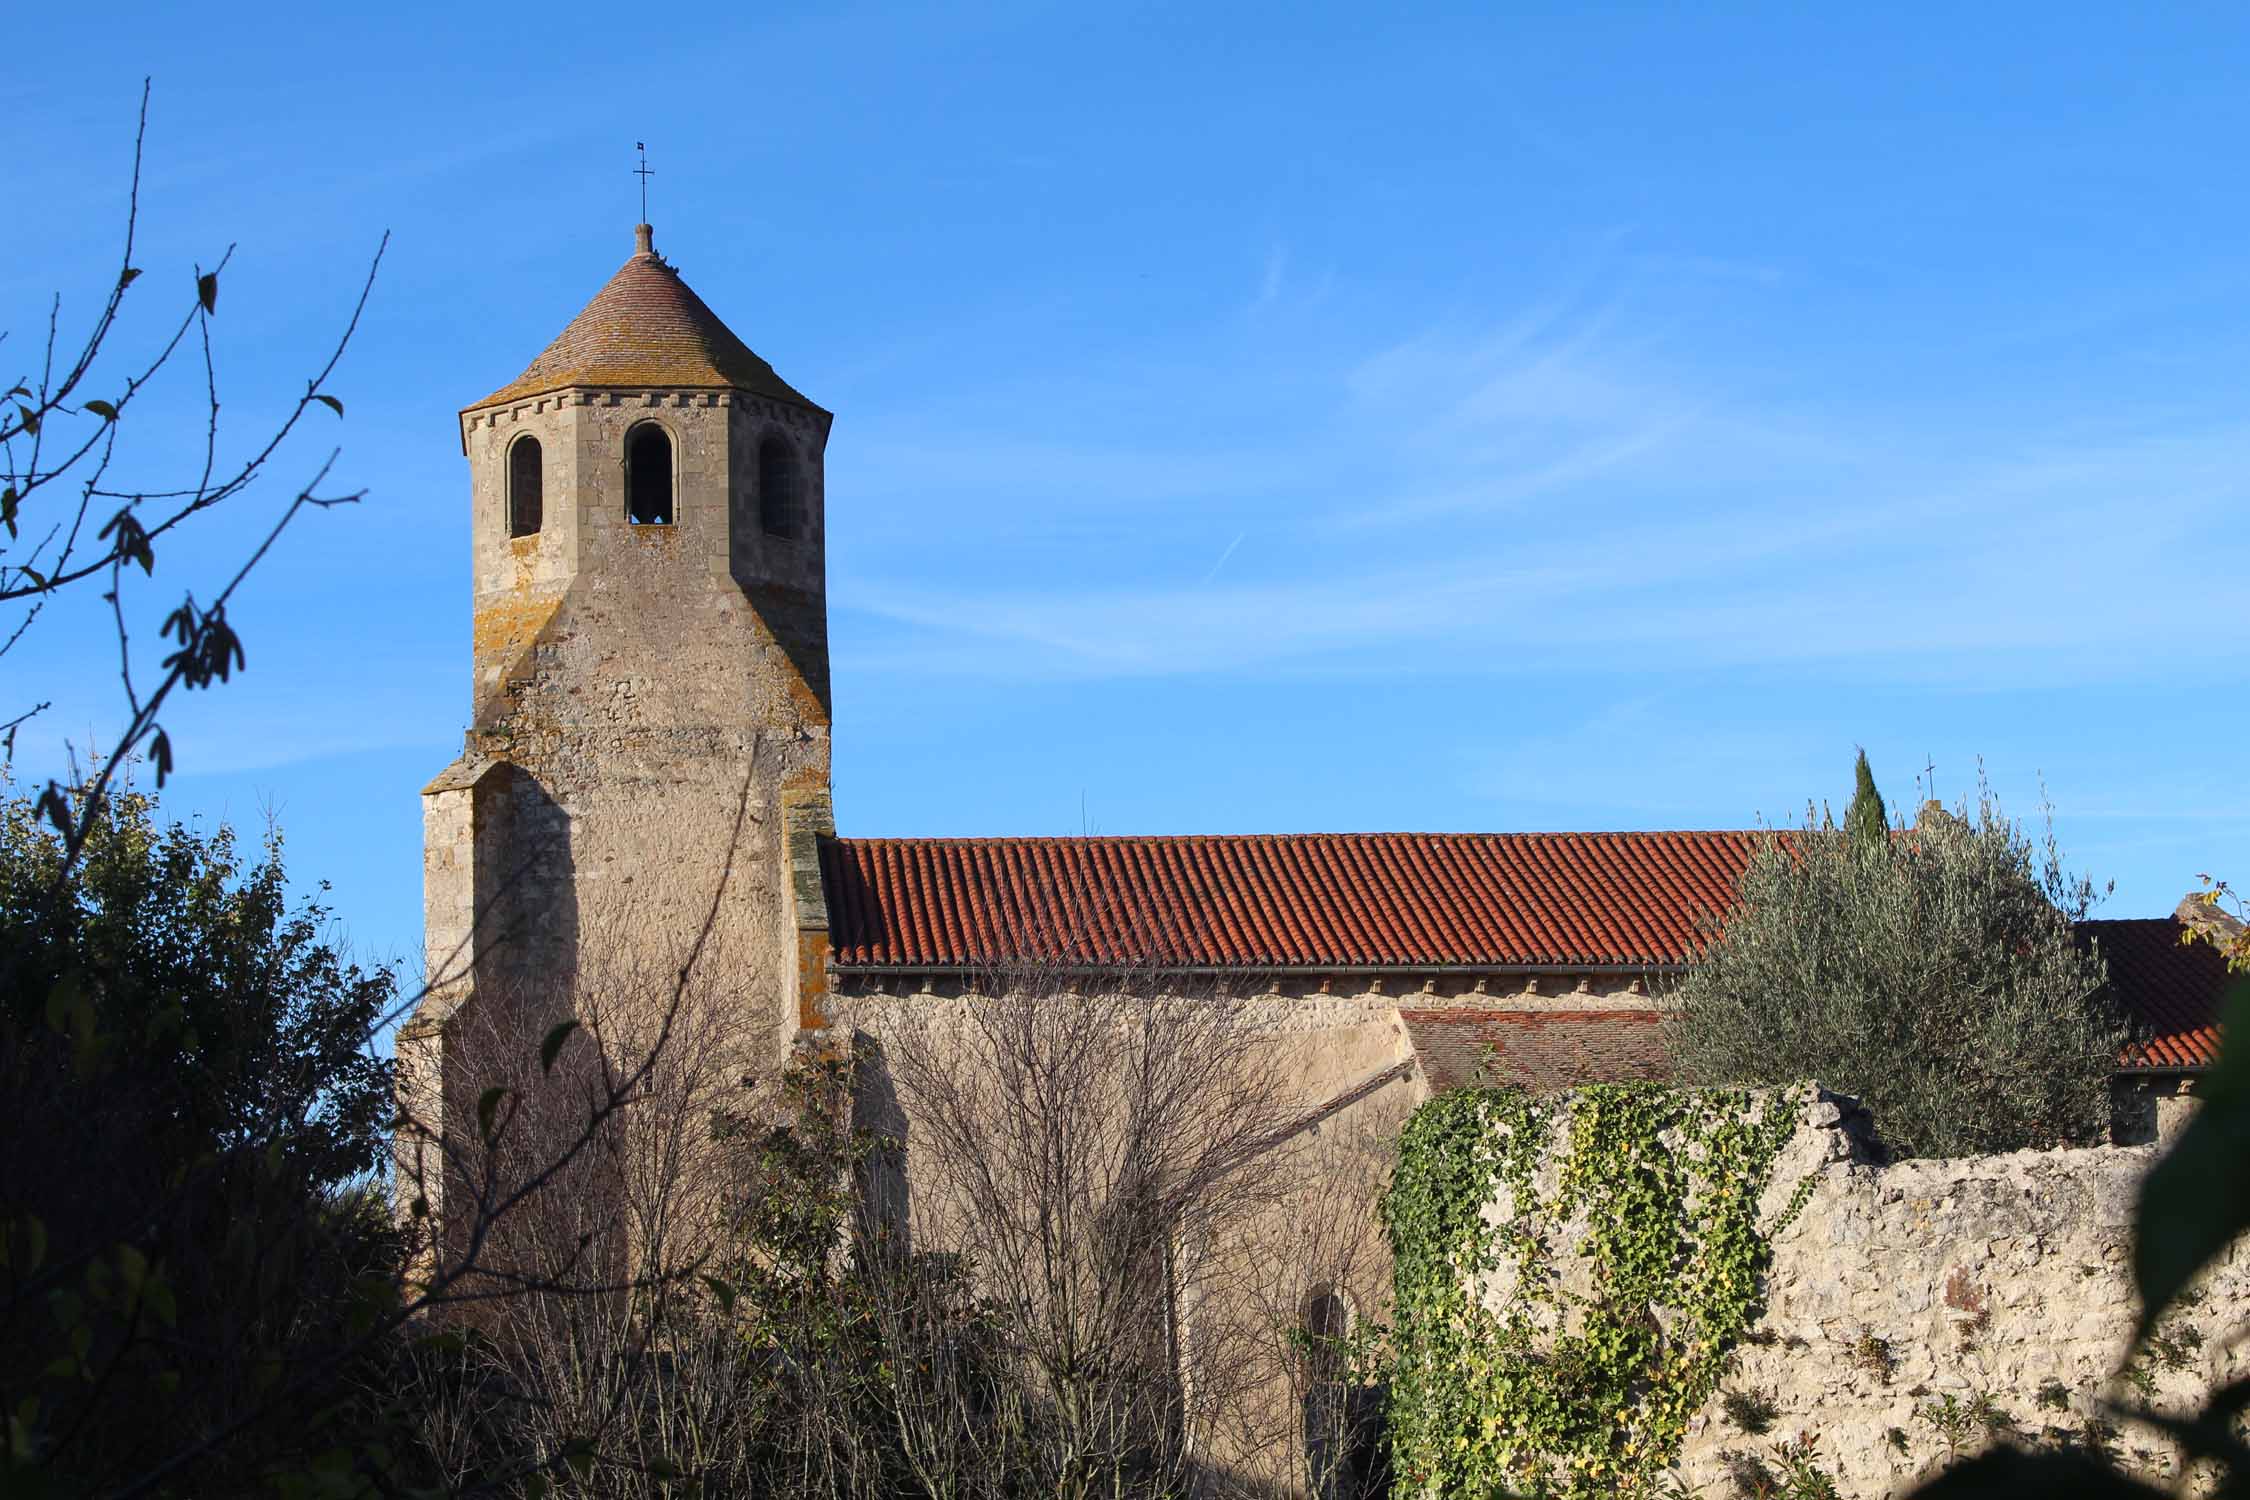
(189, 1108)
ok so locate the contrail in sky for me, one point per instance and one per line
(1222, 562)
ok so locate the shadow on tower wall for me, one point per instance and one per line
(885, 1205)
(508, 1117)
(798, 622)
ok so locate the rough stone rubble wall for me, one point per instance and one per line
(2006, 1278)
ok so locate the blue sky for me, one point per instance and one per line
(1254, 418)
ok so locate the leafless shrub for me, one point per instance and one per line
(594, 1335)
(1085, 1155)
(1150, 1214)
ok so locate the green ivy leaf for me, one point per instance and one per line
(23, 1431)
(157, 1292)
(132, 1266)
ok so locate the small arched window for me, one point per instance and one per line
(1343, 1414)
(781, 497)
(1326, 1320)
(648, 476)
(526, 486)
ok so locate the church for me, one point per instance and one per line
(646, 774)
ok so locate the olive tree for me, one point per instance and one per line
(1933, 973)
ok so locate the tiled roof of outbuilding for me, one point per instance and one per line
(647, 329)
(2173, 990)
(1598, 900)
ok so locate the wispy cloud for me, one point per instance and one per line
(1271, 283)
(1554, 495)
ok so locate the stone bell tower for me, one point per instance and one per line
(648, 741)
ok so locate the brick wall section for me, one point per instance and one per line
(1541, 1050)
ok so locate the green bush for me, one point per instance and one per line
(1932, 973)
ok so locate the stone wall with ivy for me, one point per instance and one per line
(1633, 1290)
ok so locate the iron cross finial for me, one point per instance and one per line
(643, 173)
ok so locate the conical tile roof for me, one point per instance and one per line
(646, 328)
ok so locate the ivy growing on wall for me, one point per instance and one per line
(1572, 1276)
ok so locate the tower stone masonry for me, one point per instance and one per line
(649, 718)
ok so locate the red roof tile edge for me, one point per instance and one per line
(1344, 903)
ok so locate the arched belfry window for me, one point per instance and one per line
(648, 476)
(781, 490)
(526, 486)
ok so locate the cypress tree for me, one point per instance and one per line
(1866, 820)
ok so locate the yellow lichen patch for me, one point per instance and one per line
(503, 633)
(511, 624)
(806, 701)
(812, 979)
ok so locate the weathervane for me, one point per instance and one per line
(643, 173)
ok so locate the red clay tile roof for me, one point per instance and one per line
(1538, 1049)
(1415, 901)
(1593, 900)
(645, 328)
(2172, 990)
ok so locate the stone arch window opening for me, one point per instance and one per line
(1342, 1418)
(526, 486)
(781, 499)
(1325, 1320)
(648, 476)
